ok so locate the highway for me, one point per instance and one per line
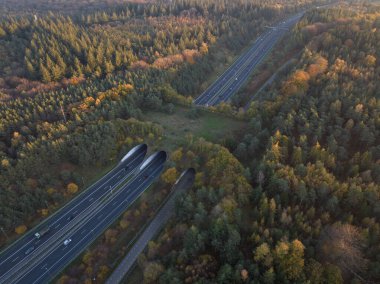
(16, 252)
(184, 182)
(238, 73)
(94, 210)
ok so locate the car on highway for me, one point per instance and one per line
(41, 233)
(66, 242)
(29, 250)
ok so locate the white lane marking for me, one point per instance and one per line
(103, 180)
(76, 244)
(136, 189)
(57, 226)
(15, 259)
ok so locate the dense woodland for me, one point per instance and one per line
(68, 82)
(312, 213)
(295, 200)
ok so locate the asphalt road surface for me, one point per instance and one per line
(87, 215)
(238, 73)
(184, 182)
(16, 252)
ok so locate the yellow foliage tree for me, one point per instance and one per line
(370, 60)
(290, 258)
(44, 212)
(170, 176)
(50, 190)
(124, 224)
(72, 188)
(4, 163)
(177, 155)
(20, 229)
(204, 48)
(297, 82)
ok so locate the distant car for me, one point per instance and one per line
(29, 250)
(71, 217)
(235, 79)
(66, 242)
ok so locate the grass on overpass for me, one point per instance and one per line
(213, 127)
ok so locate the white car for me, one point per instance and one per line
(66, 242)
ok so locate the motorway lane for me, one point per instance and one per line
(55, 260)
(184, 182)
(210, 92)
(244, 71)
(236, 75)
(254, 61)
(227, 92)
(16, 252)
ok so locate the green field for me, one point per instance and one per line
(211, 126)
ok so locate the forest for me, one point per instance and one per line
(294, 198)
(70, 81)
(311, 211)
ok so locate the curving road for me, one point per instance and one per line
(237, 74)
(94, 210)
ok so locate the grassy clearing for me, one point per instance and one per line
(211, 126)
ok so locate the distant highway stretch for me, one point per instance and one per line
(73, 228)
(237, 74)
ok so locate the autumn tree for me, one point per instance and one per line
(170, 175)
(72, 188)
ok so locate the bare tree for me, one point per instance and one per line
(342, 245)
